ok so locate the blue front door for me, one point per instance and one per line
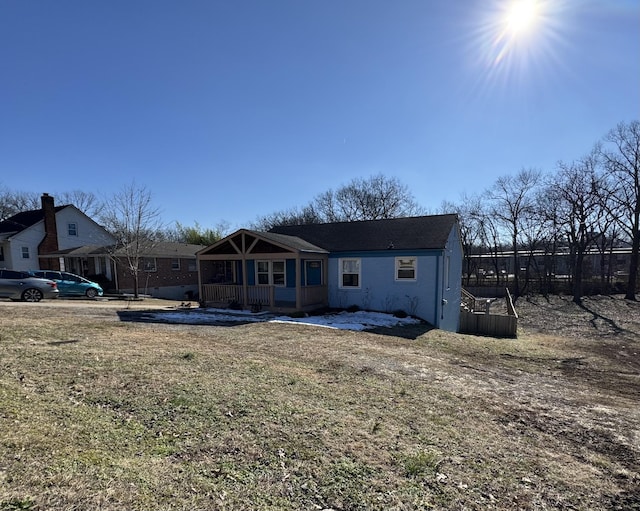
(313, 272)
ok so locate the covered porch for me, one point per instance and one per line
(87, 261)
(263, 271)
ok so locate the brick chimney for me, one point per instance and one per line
(50, 241)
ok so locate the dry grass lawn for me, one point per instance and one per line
(100, 413)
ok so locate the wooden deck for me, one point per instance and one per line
(475, 318)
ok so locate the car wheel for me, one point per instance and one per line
(32, 295)
(91, 293)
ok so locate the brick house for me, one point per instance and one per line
(167, 270)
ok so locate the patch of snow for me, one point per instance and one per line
(361, 320)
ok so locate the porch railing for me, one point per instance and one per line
(314, 295)
(224, 294)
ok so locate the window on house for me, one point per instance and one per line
(270, 272)
(406, 268)
(72, 229)
(149, 264)
(25, 252)
(192, 265)
(1, 253)
(175, 264)
(278, 273)
(349, 272)
(262, 272)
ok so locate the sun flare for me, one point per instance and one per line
(521, 16)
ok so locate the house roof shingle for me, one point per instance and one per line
(411, 233)
(291, 241)
(20, 221)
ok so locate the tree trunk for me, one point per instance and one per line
(577, 278)
(633, 265)
(136, 295)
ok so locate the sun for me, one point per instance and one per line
(521, 16)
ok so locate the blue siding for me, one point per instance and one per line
(380, 291)
(450, 314)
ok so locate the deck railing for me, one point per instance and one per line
(478, 320)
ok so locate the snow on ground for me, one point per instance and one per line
(361, 320)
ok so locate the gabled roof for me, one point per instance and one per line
(21, 221)
(257, 242)
(412, 233)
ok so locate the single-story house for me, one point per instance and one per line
(410, 264)
(167, 270)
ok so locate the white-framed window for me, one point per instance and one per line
(25, 252)
(278, 273)
(349, 272)
(192, 265)
(406, 268)
(175, 264)
(149, 264)
(262, 272)
(271, 273)
(72, 229)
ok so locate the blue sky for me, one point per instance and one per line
(228, 110)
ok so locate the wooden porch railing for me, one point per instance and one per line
(223, 294)
(314, 295)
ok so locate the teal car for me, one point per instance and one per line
(70, 284)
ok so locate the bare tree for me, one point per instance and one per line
(375, 198)
(511, 202)
(295, 216)
(622, 159)
(87, 202)
(578, 188)
(469, 211)
(12, 202)
(131, 217)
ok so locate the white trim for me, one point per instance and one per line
(144, 264)
(409, 263)
(270, 272)
(341, 273)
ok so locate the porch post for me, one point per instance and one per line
(245, 277)
(298, 283)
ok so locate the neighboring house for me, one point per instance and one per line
(167, 270)
(409, 264)
(55, 238)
